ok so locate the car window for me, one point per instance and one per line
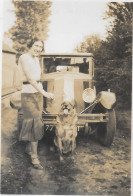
(52, 64)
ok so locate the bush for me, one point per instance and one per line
(118, 78)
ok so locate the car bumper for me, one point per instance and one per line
(50, 119)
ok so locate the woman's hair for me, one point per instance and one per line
(32, 41)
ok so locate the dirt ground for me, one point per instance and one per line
(91, 170)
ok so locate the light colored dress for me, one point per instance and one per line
(32, 100)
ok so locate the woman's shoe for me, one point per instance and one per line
(35, 162)
(37, 166)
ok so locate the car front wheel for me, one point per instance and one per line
(106, 131)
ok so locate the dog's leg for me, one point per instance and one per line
(74, 138)
(73, 145)
(60, 148)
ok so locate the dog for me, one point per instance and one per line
(66, 129)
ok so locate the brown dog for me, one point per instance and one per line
(66, 129)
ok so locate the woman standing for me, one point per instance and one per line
(32, 100)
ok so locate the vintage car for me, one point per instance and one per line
(76, 105)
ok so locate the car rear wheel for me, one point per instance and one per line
(106, 131)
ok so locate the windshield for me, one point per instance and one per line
(75, 64)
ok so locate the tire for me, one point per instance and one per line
(106, 131)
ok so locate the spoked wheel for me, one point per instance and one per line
(106, 131)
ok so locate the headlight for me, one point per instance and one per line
(89, 95)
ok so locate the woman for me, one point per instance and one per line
(32, 100)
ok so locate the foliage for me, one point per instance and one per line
(31, 21)
(113, 57)
(120, 36)
(90, 44)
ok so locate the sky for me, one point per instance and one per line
(70, 22)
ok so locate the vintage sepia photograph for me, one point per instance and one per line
(66, 96)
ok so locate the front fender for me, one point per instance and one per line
(107, 99)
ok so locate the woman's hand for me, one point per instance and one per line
(49, 95)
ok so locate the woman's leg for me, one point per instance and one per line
(34, 157)
(33, 146)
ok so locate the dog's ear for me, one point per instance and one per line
(62, 103)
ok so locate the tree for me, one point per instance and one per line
(92, 44)
(113, 57)
(31, 21)
(120, 34)
(119, 46)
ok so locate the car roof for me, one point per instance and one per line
(67, 54)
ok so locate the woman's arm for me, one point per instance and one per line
(27, 69)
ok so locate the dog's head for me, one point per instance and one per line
(67, 107)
